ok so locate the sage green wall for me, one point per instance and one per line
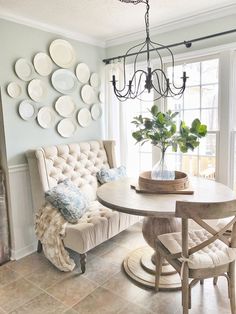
(18, 41)
(188, 33)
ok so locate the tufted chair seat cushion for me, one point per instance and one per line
(215, 254)
(95, 226)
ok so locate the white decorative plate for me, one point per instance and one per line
(27, 110)
(84, 117)
(82, 72)
(66, 128)
(88, 94)
(65, 106)
(14, 89)
(37, 90)
(94, 80)
(42, 64)
(46, 117)
(62, 53)
(96, 111)
(101, 97)
(64, 81)
(24, 69)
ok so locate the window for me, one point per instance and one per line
(200, 100)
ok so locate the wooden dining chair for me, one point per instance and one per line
(203, 253)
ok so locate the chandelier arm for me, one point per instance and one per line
(124, 63)
(135, 60)
(160, 89)
(139, 81)
(159, 55)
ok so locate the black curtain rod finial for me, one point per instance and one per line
(188, 44)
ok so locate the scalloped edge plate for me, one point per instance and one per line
(37, 90)
(14, 89)
(65, 106)
(84, 117)
(43, 64)
(66, 128)
(62, 53)
(27, 110)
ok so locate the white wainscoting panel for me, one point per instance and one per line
(23, 239)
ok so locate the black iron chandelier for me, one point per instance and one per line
(151, 79)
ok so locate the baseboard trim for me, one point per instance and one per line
(17, 254)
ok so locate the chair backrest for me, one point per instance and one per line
(200, 211)
(205, 210)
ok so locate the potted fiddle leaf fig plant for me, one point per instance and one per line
(161, 130)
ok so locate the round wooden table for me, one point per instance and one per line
(159, 213)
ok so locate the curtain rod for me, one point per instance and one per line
(187, 44)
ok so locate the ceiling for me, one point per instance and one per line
(103, 20)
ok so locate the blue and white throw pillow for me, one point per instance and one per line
(112, 174)
(68, 199)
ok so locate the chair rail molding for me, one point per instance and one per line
(21, 213)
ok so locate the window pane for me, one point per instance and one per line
(210, 118)
(190, 115)
(193, 73)
(207, 145)
(207, 167)
(210, 71)
(174, 104)
(145, 161)
(176, 74)
(190, 164)
(209, 96)
(192, 97)
(207, 152)
(174, 161)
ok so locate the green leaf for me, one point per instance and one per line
(154, 110)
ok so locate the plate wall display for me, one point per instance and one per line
(46, 117)
(43, 64)
(84, 117)
(62, 53)
(88, 94)
(24, 69)
(96, 111)
(82, 72)
(27, 110)
(14, 89)
(66, 128)
(94, 80)
(65, 106)
(64, 81)
(37, 90)
(101, 97)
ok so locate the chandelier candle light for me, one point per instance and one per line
(151, 79)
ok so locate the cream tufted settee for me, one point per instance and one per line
(79, 162)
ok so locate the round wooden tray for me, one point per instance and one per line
(147, 184)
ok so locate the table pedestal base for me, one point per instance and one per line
(143, 272)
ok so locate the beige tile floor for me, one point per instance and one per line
(33, 286)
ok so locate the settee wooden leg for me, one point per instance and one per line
(40, 247)
(83, 262)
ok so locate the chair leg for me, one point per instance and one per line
(40, 247)
(185, 290)
(215, 280)
(83, 262)
(159, 260)
(232, 286)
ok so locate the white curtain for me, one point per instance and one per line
(114, 113)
